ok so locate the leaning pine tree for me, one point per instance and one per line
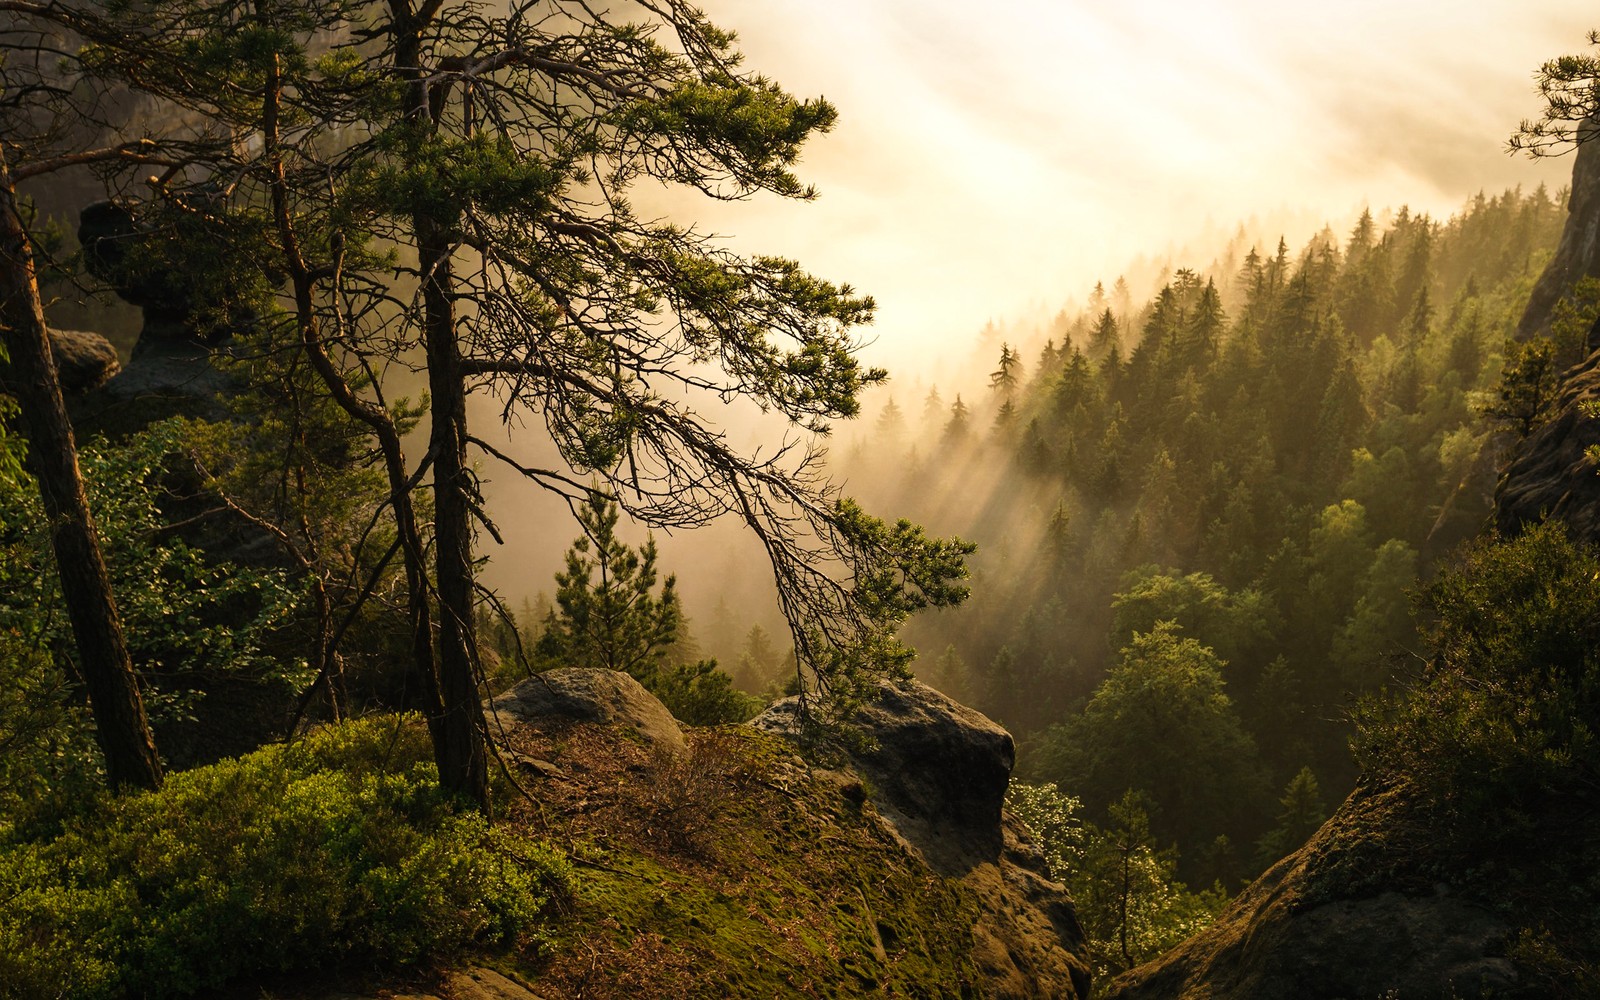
(448, 184)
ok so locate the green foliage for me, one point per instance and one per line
(1301, 812)
(186, 618)
(340, 846)
(608, 616)
(702, 695)
(1528, 386)
(1509, 703)
(1125, 891)
(1235, 625)
(1160, 725)
(1570, 86)
(1571, 320)
(49, 763)
(1495, 745)
(183, 614)
(1290, 438)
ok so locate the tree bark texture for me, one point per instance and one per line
(462, 759)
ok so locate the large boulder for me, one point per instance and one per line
(937, 773)
(84, 360)
(576, 694)
(1356, 913)
(938, 770)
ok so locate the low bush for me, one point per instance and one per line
(337, 848)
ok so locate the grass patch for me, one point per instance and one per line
(788, 886)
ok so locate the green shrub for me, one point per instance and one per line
(701, 695)
(340, 847)
(1509, 703)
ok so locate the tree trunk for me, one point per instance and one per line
(459, 741)
(462, 759)
(375, 417)
(120, 724)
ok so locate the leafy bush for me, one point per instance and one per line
(1509, 704)
(338, 847)
(48, 760)
(183, 614)
(1497, 744)
(701, 695)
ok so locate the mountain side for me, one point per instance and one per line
(1471, 884)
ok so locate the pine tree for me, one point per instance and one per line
(1106, 335)
(1005, 379)
(608, 614)
(957, 427)
(891, 427)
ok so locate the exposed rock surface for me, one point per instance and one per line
(1549, 473)
(115, 247)
(84, 360)
(574, 694)
(1578, 254)
(938, 773)
(171, 371)
(1352, 915)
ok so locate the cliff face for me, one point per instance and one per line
(1378, 902)
(1358, 912)
(1548, 474)
(1578, 254)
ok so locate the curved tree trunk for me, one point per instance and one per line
(120, 724)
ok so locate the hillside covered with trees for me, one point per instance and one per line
(1201, 518)
(1217, 561)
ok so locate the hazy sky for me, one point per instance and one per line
(994, 156)
(995, 159)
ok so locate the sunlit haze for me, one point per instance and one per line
(992, 158)
(994, 161)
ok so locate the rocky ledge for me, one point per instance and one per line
(1358, 913)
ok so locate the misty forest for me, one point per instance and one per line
(435, 563)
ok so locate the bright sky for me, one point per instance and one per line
(996, 159)
(1000, 156)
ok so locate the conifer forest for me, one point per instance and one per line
(465, 534)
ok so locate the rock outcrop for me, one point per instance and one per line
(84, 361)
(1550, 473)
(1578, 254)
(1356, 913)
(937, 773)
(898, 873)
(574, 694)
(171, 371)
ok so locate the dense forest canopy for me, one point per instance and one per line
(1231, 564)
(1251, 472)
